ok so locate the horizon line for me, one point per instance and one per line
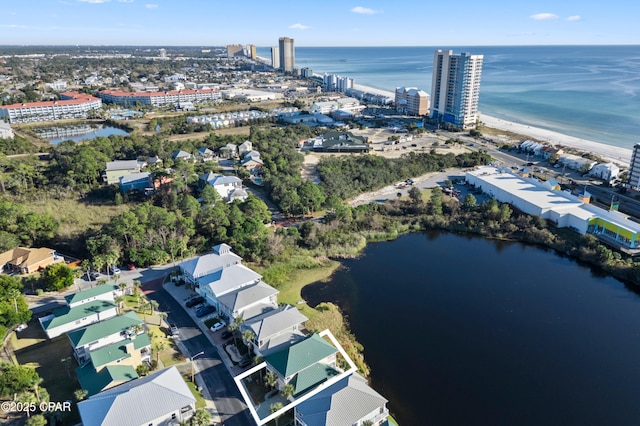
(333, 46)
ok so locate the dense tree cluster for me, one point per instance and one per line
(347, 176)
(20, 226)
(13, 307)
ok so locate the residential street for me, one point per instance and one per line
(217, 379)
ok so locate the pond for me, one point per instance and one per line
(461, 330)
(77, 132)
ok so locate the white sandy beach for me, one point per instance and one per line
(620, 156)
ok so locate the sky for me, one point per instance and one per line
(318, 23)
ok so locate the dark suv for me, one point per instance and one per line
(195, 301)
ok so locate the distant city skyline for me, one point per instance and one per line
(331, 23)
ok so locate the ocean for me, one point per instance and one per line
(589, 92)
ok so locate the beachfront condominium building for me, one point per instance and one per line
(634, 168)
(455, 88)
(275, 57)
(234, 50)
(250, 51)
(412, 101)
(287, 54)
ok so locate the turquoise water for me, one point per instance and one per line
(590, 92)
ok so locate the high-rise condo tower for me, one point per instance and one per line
(287, 54)
(455, 88)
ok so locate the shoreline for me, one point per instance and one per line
(620, 156)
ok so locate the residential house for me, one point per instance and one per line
(116, 169)
(136, 182)
(28, 260)
(104, 333)
(205, 154)
(66, 319)
(349, 402)
(252, 162)
(304, 364)
(227, 284)
(248, 301)
(228, 151)
(341, 142)
(110, 376)
(245, 147)
(605, 171)
(229, 187)
(83, 308)
(181, 155)
(275, 329)
(157, 399)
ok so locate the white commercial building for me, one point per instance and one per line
(563, 209)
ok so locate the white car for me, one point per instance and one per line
(218, 326)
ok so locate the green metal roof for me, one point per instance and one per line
(118, 350)
(94, 382)
(92, 292)
(103, 329)
(66, 315)
(311, 377)
(300, 355)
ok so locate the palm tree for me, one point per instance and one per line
(235, 326)
(270, 379)
(162, 316)
(122, 286)
(276, 406)
(247, 338)
(159, 346)
(153, 306)
(287, 391)
(119, 301)
(98, 263)
(201, 418)
(136, 290)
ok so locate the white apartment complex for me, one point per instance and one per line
(156, 99)
(455, 88)
(71, 105)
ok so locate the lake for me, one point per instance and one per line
(467, 331)
(77, 132)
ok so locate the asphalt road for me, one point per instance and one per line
(231, 408)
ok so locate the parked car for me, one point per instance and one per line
(114, 270)
(131, 267)
(195, 301)
(174, 329)
(94, 275)
(226, 334)
(21, 327)
(205, 310)
(218, 326)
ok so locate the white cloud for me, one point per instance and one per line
(574, 18)
(151, 6)
(94, 1)
(544, 16)
(299, 26)
(125, 1)
(364, 10)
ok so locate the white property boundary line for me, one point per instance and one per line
(319, 388)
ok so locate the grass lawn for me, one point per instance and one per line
(290, 289)
(200, 402)
(58, 376)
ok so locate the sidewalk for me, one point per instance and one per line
(181, 294)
